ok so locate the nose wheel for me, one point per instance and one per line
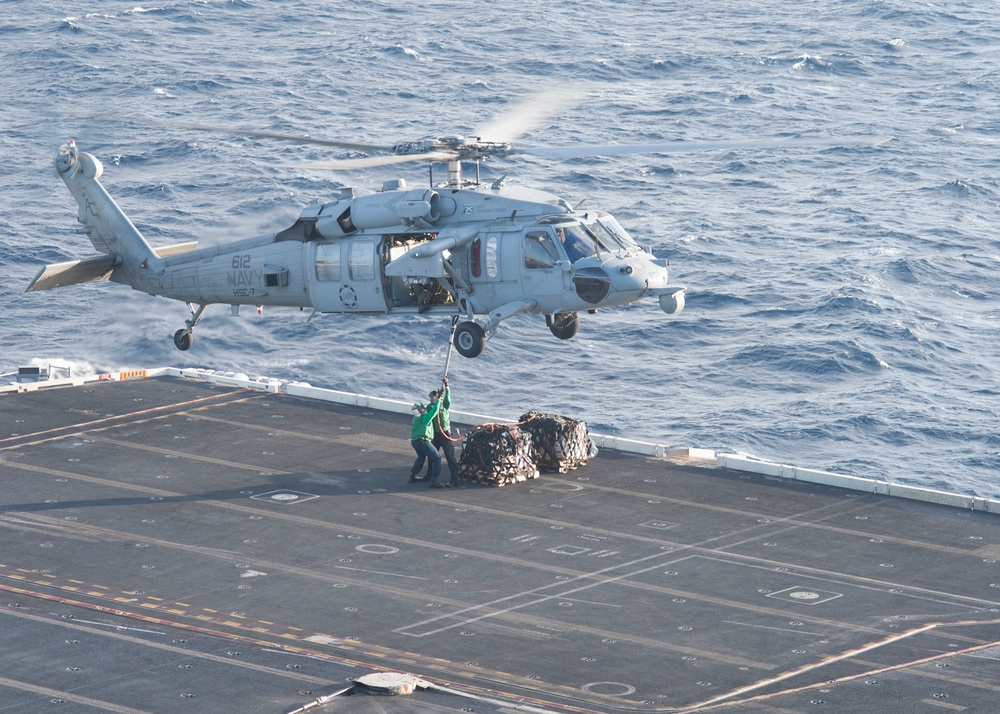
(470, 339)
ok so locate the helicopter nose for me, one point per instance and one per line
(620, 280)
(628, 277)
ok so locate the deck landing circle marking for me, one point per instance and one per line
(377, 549)
(561, 487)
(804, 595)
(593, 688)
(284, 496)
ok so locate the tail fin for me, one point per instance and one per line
(108, 227)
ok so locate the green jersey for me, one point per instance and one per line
(423, 424)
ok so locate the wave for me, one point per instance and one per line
(828, 358)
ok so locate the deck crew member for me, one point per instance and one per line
(442, 432)
(421, 436)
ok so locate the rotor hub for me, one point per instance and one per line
(461, 148)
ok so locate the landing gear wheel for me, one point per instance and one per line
(470, 339)
(182, 339)
(563, 325)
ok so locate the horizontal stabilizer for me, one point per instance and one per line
(89, 270)
(73, 272)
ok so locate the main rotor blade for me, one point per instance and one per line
(370, 161)
(532, 111)
(679, 147)
(295, 138)
(229, 129)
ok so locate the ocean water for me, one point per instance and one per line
(843, 305)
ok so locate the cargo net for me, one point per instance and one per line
(497, 454)
(560, 443)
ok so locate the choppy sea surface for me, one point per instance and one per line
(843, 305)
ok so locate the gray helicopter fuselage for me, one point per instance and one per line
(357, 254)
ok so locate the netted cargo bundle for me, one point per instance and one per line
(560, 443)
(497, 454)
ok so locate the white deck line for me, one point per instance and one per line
(735, 462)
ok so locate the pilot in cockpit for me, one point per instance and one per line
(575, 244)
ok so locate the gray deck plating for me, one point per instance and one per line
(175, 546)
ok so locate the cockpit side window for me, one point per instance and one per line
(540, 251)
(577, 242)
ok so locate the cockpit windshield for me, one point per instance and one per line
(606, 237)
(606, 224)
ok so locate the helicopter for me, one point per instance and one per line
(480, 252)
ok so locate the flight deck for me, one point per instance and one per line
(173, 545)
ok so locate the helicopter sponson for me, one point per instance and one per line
(478, 252)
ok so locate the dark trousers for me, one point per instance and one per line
(443, 442)
(425, 450)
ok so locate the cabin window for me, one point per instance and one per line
(362, 260)
(328, 262)
(540, 251)
(492, 257)
(477, 258)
